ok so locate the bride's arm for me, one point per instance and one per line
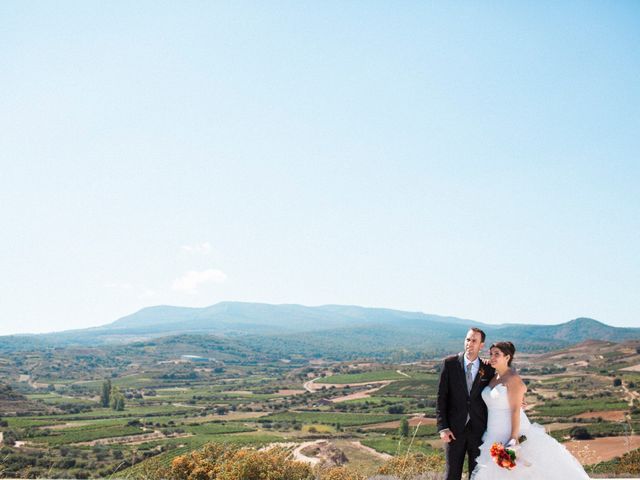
(516, 390)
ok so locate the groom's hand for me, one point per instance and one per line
(447, 435)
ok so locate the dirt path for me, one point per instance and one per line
(634, 368)
(400, 372)
(287, 392)
(371, 451)
(298, 455)
(28, 379)
(308, 386)
(312, 387)
(359, 395)
(285, 445)
(62, 426)
(552, 427)
(609, 415)
(602, 449)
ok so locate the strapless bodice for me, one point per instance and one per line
(499, 418)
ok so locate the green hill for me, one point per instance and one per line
(334, 331)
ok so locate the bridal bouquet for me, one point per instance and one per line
(503, 456)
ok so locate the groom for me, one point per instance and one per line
(461, 413)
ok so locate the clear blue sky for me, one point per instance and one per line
(476, 159)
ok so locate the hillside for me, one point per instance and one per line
(14, 403)
(338, 332)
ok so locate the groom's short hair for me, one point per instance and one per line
(480, 331)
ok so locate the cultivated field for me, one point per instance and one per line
(62, 418)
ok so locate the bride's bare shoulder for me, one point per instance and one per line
(515, 382)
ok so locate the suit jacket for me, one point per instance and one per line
(455, 402)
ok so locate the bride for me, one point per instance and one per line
(540, 455)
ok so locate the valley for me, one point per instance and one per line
(179, 393)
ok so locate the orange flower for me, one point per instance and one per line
(503, 457)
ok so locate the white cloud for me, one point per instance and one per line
(190, 281)
(203, 248)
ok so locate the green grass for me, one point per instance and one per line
(56, 399)
(86, 433)
(569, 408)
(395, 446)
(25, 422)
(330, 418)
(422, 386)
(557, 380)
(130, 381)
(130, 411)
(375, 376)
(423, 431)
(217, 428)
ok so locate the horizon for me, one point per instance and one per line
(474, 159)
(479, 322)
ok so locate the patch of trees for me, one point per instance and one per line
(394, 409)
(73, 407)
(111, 396)
(580, 433)
(105, 393)
(7, 393)
(404, 428)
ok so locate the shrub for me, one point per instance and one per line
(580, 433)
(227, 462)
(630, 463)
(339, 473)
(406, 467)
(404, 428)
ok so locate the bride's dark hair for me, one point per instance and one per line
(507, 348)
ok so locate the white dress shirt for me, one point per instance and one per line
(475, 366)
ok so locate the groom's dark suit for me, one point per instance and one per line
(455, 405)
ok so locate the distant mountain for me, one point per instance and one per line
(239, 317)
(331, 330)
(574, 331)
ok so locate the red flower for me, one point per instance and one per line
(503, 457)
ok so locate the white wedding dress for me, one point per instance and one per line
(539, 457)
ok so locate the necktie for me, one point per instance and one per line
(469, 377)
